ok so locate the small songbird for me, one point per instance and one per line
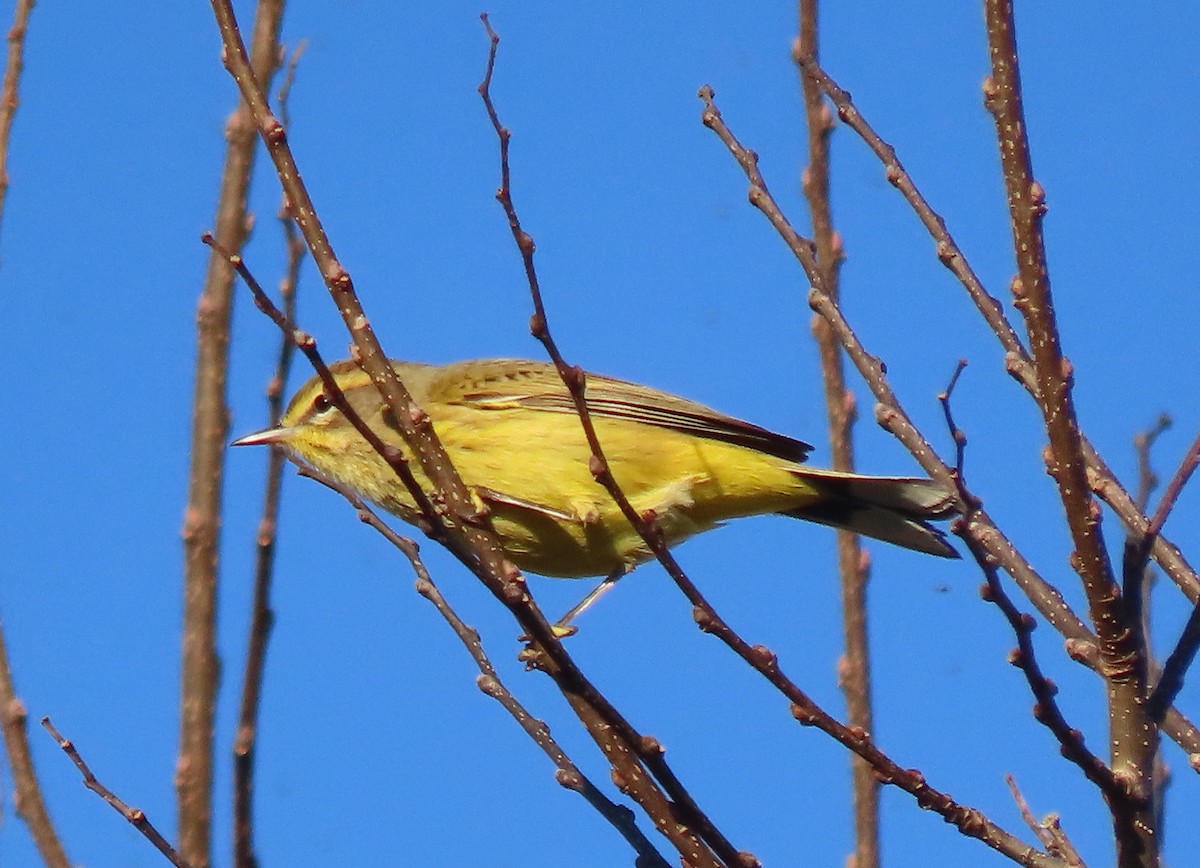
(511, 430)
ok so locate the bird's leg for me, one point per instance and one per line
(562, 625)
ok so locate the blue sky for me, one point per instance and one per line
(376, 746)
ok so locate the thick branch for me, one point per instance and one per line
(1133, 739)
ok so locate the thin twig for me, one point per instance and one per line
(426, 517)
(1136, 576)
(202, 518)
(9, 99)
(890, 414)
(614, 735)
(1017, 360)
(1081, 642)
(568, 774)
(1049, 830)
(1143, 445)
(804, 709)
(136, 816)
(1170, 682)
(573, 376)
(262, 617)
(1046, 710)
(854, 671)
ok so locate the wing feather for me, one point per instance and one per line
(501, 384)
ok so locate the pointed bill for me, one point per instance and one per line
(265, 437)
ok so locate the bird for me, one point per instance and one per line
(510, 428)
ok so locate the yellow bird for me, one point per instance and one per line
(510, 428)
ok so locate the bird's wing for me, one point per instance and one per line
(503, 384)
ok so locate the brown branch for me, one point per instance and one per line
(1137, 579)
(1046, 710)
(426, 517)
(858, 740)
(30, 805)
(1133, 738)
(193, 777)
(1181, 656)
(854, 670)
(136, 817)
(1143, 444)
(1017, 360)
(9, 99)
(261, 615)
(807, 712)
(620, 742)
(573, 376)
(568, 774)
(1080, 641)
(891, 415)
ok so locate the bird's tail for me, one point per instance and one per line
(889, 508)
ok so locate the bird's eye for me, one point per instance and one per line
(321, 404)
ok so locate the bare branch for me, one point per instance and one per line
(262, 617)
(1049, 830)
(854, 670)
(1017, 360)
(202, 517)
(1046, 710)
(31, 807)
(136, 817)
(9, 99)
(1133, 738)
(620, 742)
(568, 774)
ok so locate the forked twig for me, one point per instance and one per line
(1017, 360)
(1080, 641)
(1049, 830)
(890, 414)
(568, 774)
(615, 736)
(762, 659)
(468, 535)
(1046, 710)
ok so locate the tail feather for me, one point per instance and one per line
(888, 508)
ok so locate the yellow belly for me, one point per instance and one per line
(569, 525)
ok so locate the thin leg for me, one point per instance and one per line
(561, 626)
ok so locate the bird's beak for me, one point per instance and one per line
(265, 437)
